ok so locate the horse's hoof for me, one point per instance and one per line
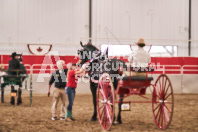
(19, 103)
(119, 121)
(93, 119)
(115, 123)
(12, 103)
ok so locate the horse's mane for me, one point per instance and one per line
(90, 46)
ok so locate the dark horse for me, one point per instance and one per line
(22, 66)
(97, 60)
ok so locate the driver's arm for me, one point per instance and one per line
(149, 60)
(130, 60)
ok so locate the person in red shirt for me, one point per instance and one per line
(70, 89)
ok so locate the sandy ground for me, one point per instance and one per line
(38, 117)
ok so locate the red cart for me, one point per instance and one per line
(162, 97)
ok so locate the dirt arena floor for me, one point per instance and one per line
(37, 118)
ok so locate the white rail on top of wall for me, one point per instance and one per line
(26, 65)
(52, 67)
(191, 70)
(189, 81)
(163, 69)
(44, 66)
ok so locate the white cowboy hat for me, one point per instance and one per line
(140, 41)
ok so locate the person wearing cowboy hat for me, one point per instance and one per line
(14, 64)
(139, 58)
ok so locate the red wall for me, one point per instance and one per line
(31, 59)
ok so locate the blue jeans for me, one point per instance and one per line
(71, 95)
(2, 92)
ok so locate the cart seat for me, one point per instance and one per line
(139, 78)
